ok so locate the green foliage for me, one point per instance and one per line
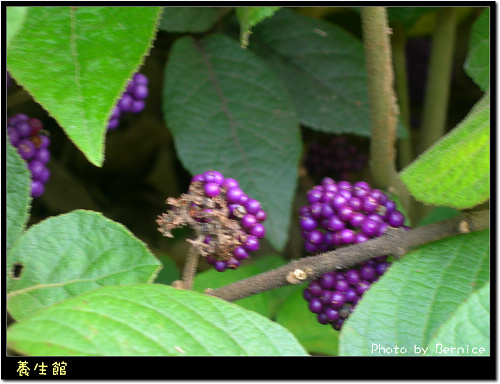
(150, 320)
(477, 64)
(15, 19)
(418, 295)
(66, 255)
(85, 46)
(18, 194)
(223, 102)
(455, 172)
(81, 283)
(322, 66)
(188, 19)
(469, 326)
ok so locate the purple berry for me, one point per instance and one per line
(234, 195)
(367, 272)
(211, 189)
(369, 227)
(42, 155)
(140, 91)
(248, 221)
(315, 288)
(214, 177)
(258, 230)
(395, 219)
(230, 183)
(37, 188)
(26, 149)
(331, 314)
(240, 253)
(337, 300)
(315, 305)
(308, 223)
(251, 244)
(252, 206)
(220, 266)
(327, 280)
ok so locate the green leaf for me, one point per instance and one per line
(188, 19)
(228, 112)
(323, 67)
(18, 194)
(455, 171)
(249, 17)
(295, 316)
(76, 61)
(67, 255)
(416, 296)
(477, 63)
(150, 320)
(212, 279)
(15, 19)
(468, 328)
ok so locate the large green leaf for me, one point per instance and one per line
(149, 320)
(228, 112)
(322, 66)
(296, 317)
(477, 64)
(417, 296)
(455, 171)
(67, 255)
(76, 61)
(18, 194)
(188, 19)
(250, 17)
(468, 329)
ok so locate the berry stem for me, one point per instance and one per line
(383, 104)
(190, 267)
(438, 83)
(395, 242)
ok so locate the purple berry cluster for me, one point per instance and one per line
(25, 134)
(132, 100)
(338, 214)
(247, 211)
(333, 296)
(334, 157)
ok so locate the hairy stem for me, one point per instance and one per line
(190, 267)
(383, 105)
(395, 242)
(438, 81)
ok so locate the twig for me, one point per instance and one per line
(396, 242)
(190, 267)
(383, 104)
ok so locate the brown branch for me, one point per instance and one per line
(383, 104)
(396, 242)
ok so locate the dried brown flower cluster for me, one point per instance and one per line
(215, 233)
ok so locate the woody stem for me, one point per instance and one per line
(190, 267)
